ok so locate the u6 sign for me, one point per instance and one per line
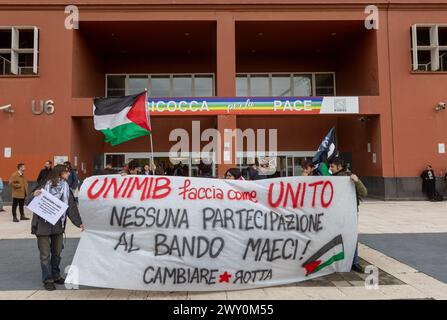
(177, 234)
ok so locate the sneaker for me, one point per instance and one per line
(49, 286)
(59, 280)
(15, 220)
(24, 218)
(357, 268)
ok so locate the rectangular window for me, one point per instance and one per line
(137, 84)
(428, 47)
(259, 85)
(281, 85)
(19, 50)
(182, 86)
(324, 84)
(242, 85)
(160, 86)
(302, 85)
(5, 39)
(203, 86)
(285, 84)
(116, 86)
(5, 63)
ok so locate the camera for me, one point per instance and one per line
(440, 106)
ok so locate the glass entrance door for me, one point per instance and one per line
(166, 164)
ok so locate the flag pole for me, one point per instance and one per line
(148, 117)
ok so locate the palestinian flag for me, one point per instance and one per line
(121, 119)
(331, 252)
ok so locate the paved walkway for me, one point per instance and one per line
(397, 280)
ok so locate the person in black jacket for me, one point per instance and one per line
(50, 237)
(43, 174)
(429, 182)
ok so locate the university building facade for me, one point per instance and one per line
(300, 67)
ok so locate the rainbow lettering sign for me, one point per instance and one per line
(254, 105)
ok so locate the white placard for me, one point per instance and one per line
(195, 234)
(441, 147)
(8, 152)
(369, 146)
(48, 207)
(374, 158)
(60, 159)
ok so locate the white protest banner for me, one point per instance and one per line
(48, 207)
(196, 234)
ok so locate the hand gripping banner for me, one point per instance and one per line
(200, 234)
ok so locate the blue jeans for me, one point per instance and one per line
(356, 259)
(50, 248)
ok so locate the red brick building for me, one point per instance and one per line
(228, 49)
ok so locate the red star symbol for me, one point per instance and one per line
(224, 277)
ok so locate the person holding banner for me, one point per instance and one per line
(50, 237)
(234, 174)
(338, 168)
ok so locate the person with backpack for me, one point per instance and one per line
(338, 168)
(50, 237)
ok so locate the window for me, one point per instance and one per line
(19, 50)
(281, 85)
(138, 84)
(116, 86)
(429, 47)
(203, 86)
(182, 86)
(302, 85)
(285, 84)
(242, 85)
(188, 85)
(160, 86)
(259, 85)
(324, 84)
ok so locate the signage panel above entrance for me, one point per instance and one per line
(254, 105)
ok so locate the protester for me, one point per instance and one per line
(185, 170)
(178, 169)
(338, 168)
(108, 169)
(49, 237)
(205, 170)
(43, 174)
(159, 170)
(73, 180)
(429, 182)
(308, 168)
(19, 187)
(131, 168)
(234, 174)
(253, 171)
(1, 199)
(147, 170)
